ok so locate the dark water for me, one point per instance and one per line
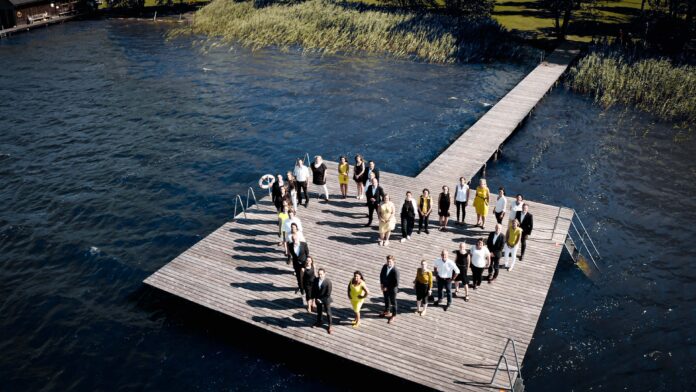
(119, 150)
(632, 180)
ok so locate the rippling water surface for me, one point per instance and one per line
(119, 150)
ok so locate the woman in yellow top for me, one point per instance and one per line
(343, 168)
(357, 292)
(425, 207)
(282, 216)
(481, 200)
(424, 287)
(512, 243)
(387, 220)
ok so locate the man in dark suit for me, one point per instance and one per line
(526, 224)
(495, 244)
(389, 280)
(371, 169)
(374, 195)
(298, 252)
(321, 291)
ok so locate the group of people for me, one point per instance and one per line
(448, 275)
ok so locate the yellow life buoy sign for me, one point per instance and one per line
(266, 181)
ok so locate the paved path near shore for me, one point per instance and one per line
(239, 270)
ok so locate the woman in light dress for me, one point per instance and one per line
(387, 220)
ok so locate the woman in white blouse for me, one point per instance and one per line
(516, 206)
(500, 205)
(461, 198)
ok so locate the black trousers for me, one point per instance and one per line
(461, 205)
(298, 275)
(494, 267)
(499, 216)
(390, 300)
(302, 187)
(321, 308)
(423, 221)
(407, 225)
(447, 285)
(371, 211)
(477, 273)
(524, 244)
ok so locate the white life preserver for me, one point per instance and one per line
(266, 181)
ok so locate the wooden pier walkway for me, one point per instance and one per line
(240, 271)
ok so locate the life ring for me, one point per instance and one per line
(19, 14)
(266, 181)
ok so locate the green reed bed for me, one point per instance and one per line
(652, 85)
(326, 27)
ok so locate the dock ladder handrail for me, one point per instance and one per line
(306, 159)
(513, 373)
(256, 202)
(238, 200)
(581, 232)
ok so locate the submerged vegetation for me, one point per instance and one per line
(654, 85)
(327, 27)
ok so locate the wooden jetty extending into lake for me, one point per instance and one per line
(239, 269)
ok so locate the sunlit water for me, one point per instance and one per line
(119, 150)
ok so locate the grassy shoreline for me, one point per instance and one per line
(653, 85)
(326, 27)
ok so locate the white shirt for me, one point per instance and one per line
(522, 215)
(296, 247)
(514, 207)
(479, 257)
(501, 204)
(445, 268)
(495, 237)
(460, 194)
(300, 236)
(289, 222)
(301, 173)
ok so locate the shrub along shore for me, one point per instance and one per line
(326, 27)
(653, 85)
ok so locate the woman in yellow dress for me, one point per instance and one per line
(387, 220)
(357, 292)
(343, 168)
(481, 200)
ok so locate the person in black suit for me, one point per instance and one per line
(371, 169)
(526, 224)
(298, 252)
(495, 244)
(374, 196)
(322, 296)
(276, 193)
(389, 280)
(408, 217)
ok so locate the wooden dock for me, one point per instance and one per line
(240, 271)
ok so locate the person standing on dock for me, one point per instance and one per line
(408, 217)
(308, 274)
(446, 271)
(512, 243)
(359, 175)
(319, 176)
(292, 189)
(343, 169)
(372, 171)
(527, 225)
(495, 244)
(322, 296)
(357, 292)
(443, 206)
(282, 217)
(287, 228)
(462, 262)
(387, 220)
(374, 196)
(424, 287)
(516, 207)
(389, 280)
(301, 174)
(500, 205)
(425, 207)
(277, 192)
(481, 201)
(299, 251)
(480, 259)
(461, 199)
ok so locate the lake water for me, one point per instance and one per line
(120, 149)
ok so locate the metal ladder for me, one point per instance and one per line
(238, 201)
(514, 374)
(577, 243)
